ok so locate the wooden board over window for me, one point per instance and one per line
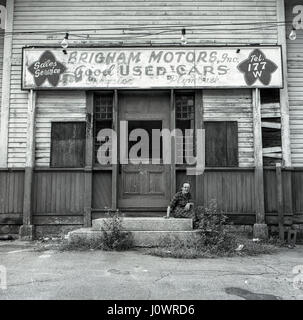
(68, 144)
(221, 147)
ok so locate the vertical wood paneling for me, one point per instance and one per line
(102, 187)
(295, 87)
(288, 187)
(45, 15)
(58, 192)
(233, 190)
(11, 191)
(297, 187)
(59, 195)
(233, 105)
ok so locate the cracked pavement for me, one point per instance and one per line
(51, 274)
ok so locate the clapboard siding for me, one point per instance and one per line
(3, 3)
(1, 64)
(17, 126)
(233, 105)
(55, 106)
(295, 87)
(111, 18)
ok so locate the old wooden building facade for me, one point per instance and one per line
(185, 65)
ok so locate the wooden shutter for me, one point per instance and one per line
(215, 144)
(232, 144)
(68, 144)
(221, 139)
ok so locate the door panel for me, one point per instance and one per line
(156, 182)
(144, 185)
(131, 182)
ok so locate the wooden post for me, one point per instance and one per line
(288, 193)
(260, 227)
(284, 98)
(27, 229)
(280, 201)
(89, 159)
(6, 83)
(173, 144)
(199, 125)
(284, 103)
(115, 166)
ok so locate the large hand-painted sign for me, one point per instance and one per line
(131, 68)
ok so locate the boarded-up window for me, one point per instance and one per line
(68, 144)
(271, 114)
(270, 96)
(221, 144)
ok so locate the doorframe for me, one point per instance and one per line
(115, 166)
(145, 116)
(89, 150)
(199, 124)
(116, 119)
(173, 148)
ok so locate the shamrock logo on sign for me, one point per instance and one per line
(47, 68)
(257, 67)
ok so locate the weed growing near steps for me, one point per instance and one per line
(112, 238)
(214, 240)
(212, 223)
(194, 248)
(80, 245)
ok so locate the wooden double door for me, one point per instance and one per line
(142, 183)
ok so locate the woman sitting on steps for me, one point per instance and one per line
(182, 205)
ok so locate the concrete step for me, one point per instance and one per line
(148, 224)
(140, 238)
